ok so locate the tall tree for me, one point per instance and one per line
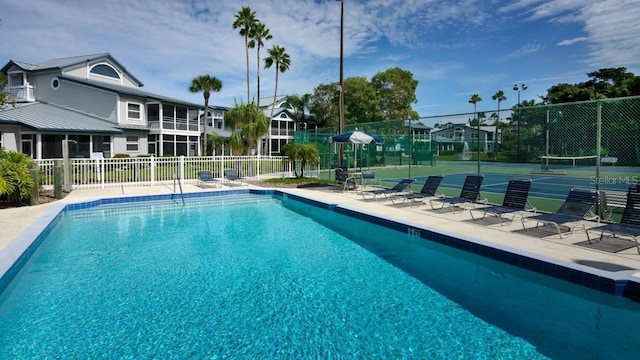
(245, 20)
(499, 96)
(396, 90)
(258, 34)
(475, 99)
(361, 101)
(279, 58)
(206, 84)
(324, 104)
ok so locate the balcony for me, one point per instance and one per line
(25, 93)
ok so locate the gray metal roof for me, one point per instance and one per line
(59, 64)
(129, 91)
(52, 118)
(68, 61)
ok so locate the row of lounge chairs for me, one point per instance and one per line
(576, 211)
(231, 177)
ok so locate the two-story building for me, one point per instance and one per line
(282, 125)
(450, 134)
(94, 103)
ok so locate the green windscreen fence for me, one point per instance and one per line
(594, 144)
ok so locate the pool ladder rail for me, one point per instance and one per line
(176, 178)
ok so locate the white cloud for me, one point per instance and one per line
(573, 41)
(168, 42)
(525, 50)
(611, 27)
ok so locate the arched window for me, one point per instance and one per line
(105, 70)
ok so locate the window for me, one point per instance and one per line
(55, 83)
(132, 143)
(133, 111)
(105, 70)
(102, 144)
(16, 79)
(27, 144)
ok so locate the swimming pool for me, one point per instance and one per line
(274, 276)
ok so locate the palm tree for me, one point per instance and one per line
(206, 84)
(300, 106)
(305, 153)
(499, 96)
(245, 20)
(259, 34)
(251, 123)
(279, 57)
(475, 98)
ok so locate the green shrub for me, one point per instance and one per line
(120, 156)
(15, 179)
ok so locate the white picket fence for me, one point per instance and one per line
(150, 171)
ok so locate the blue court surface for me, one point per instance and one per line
(542, 186)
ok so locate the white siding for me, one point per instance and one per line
(10, 137)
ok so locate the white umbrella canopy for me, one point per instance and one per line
(356, 137)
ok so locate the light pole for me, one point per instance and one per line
(519, 89)
(341, 104)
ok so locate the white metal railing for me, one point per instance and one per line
(22, 93)
(150, 171)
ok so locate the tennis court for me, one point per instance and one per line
(542, 186)
(548, 188)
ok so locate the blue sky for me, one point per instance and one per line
(453, 48)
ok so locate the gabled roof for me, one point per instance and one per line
(417, 125)
(128, 91)
(62, 63)
(267, 101)
(52, 118)
(277, 112)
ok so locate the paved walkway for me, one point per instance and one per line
(16, 222)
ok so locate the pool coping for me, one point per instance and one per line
(619, 283)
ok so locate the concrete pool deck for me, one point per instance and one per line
(15, 222)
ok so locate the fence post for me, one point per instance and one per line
(181, 168)
(57, 179)
(598, 143)
(102, 168)
(35, 193)
(152, 168)
(66, 167)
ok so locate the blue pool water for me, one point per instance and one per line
(257, 277)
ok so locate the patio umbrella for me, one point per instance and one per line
(356, 137)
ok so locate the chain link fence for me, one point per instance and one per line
(594, 144)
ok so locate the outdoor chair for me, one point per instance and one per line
(514, 203)
(576, 208)
(343, 178)
(205, 178)
(429, 190)
(629, 225)
(402, 187)
(368, 175)
(470, 194)
(233, 178)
